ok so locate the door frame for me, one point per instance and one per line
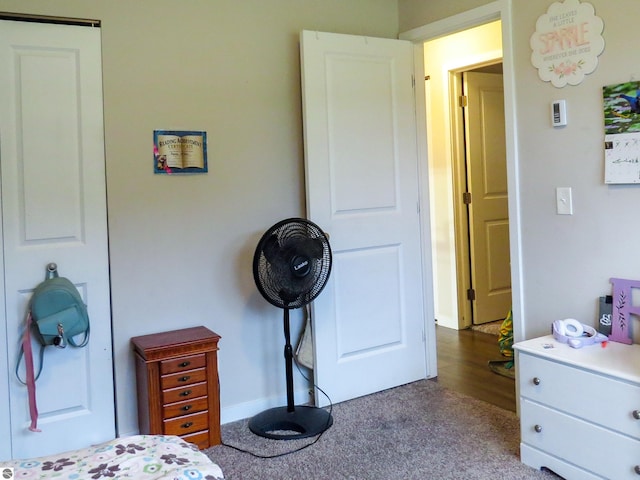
(497, 10)
(460, 209)
(486, 298)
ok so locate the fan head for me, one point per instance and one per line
(292, 262)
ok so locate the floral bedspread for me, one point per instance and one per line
(143, 457)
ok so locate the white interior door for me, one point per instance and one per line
(489, 209)
(54, 210)
(362, 189)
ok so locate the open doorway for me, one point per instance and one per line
(468, 176)
(437, 177)
(469, 207)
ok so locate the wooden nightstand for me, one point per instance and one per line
(178, 389)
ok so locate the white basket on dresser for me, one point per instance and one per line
(579, 408)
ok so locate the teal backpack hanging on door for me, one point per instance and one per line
(58, 311)
(56, 314)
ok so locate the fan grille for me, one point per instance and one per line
(292, 263)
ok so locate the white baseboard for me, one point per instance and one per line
(244, 410)
(445, 321)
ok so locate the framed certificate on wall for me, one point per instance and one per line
(179, 151)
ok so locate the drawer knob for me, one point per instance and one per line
(637, 469)
(538, 428)
(636, 414)
(186, 393)
(536, 381)
(184, 379)
(186, 408)
(186, 425)
(185, 364)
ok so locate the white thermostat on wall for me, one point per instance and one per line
(558, 113)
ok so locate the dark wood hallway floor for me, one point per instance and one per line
(463, 357)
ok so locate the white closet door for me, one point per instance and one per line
(54, 210)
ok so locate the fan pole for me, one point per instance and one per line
(286, 423)
(288, 357)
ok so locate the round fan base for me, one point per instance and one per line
(280, 424)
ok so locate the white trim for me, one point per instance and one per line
(431, 357)
(243, 410)
(500, 9)
(459, 64)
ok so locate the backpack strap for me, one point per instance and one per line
(84, 342)
(21, 355)
(26, 351)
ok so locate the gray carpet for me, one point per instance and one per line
(417, 431)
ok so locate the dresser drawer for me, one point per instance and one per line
(200, 439)
(187, 424)
(184, 393)
(183, 363)
(578, 442)
(608, 402)
(183, 408)
(183, 378)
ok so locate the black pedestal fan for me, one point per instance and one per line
(291, 266)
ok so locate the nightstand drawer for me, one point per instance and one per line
(187, 424)
(596, 398)
(183, 378)
(578, 442)
(184, 393)
(183, 408)
(183, 363)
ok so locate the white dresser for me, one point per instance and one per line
(579, 408)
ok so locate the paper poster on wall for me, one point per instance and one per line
(179, 151)
(622, 133)
(567, 42)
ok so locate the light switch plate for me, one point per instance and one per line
(559, 113)
(564, 202)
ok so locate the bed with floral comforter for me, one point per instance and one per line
(140, 457)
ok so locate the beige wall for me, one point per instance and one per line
(567, 261)
(416, 13)
(181, 247)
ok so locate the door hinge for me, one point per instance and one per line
(464, 101)
(471, 294)
(466, 198)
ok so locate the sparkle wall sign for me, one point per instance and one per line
(567, 42)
